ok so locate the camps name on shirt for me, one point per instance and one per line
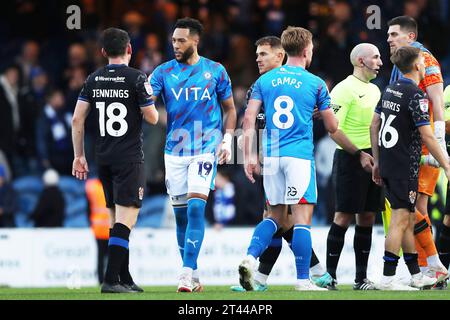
(286, 80)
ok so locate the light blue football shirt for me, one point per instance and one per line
(192, 96)
(289, 95)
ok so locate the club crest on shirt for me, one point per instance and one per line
(207, 75)
(141, 193)
(412, 196)
(423, 103)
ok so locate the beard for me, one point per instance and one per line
(186, 55)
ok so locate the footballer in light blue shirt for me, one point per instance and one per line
(292, 92)
(289, 94)
(193, 89)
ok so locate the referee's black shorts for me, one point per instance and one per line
(355, 192)
(123, 184)
(402, 194)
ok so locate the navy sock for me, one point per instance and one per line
(412, 262)
(314, 259)
(270, 256)
(117, 251)
(335, 243)
(181, 224)
(124, 274)
(390, 263)
(362, 242)
(288, 235)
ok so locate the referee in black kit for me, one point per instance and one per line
(120, 97)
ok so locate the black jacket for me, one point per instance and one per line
(49, 211)
(8, 205)
(7, 132)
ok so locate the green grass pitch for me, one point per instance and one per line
(217, 293)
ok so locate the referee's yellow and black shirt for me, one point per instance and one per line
(354, 103)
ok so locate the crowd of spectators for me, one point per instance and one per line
(43, 65)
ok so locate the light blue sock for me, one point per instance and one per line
(194, 232)
(181, 224)
(262, 237)
(302, 246)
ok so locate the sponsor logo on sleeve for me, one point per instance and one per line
(148, 88)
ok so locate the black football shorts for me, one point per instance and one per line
(355, 192)
(402, 194)
(123, 184)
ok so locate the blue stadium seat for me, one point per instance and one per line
(27, 189)
(76, 202)
(76, 215)
(72, 186)
(28, 184)
(152, 211)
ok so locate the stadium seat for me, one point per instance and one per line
(152, 212)
(76, 202)
(76, 215)
(72, 186)
(27, 189)
(28, 184)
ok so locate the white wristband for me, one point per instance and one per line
(439, 129)
(240, 141)
(227, 138)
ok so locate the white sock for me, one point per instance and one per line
(251, 259)
(417, 275)
(387, 279)
(187, 270)
(195, 274)
(424, 269)
(261, 278)
(302, 281)
(433, 261)
(317, 270)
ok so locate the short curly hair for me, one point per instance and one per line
(194, 26)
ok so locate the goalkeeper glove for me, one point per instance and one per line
(429, 160)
